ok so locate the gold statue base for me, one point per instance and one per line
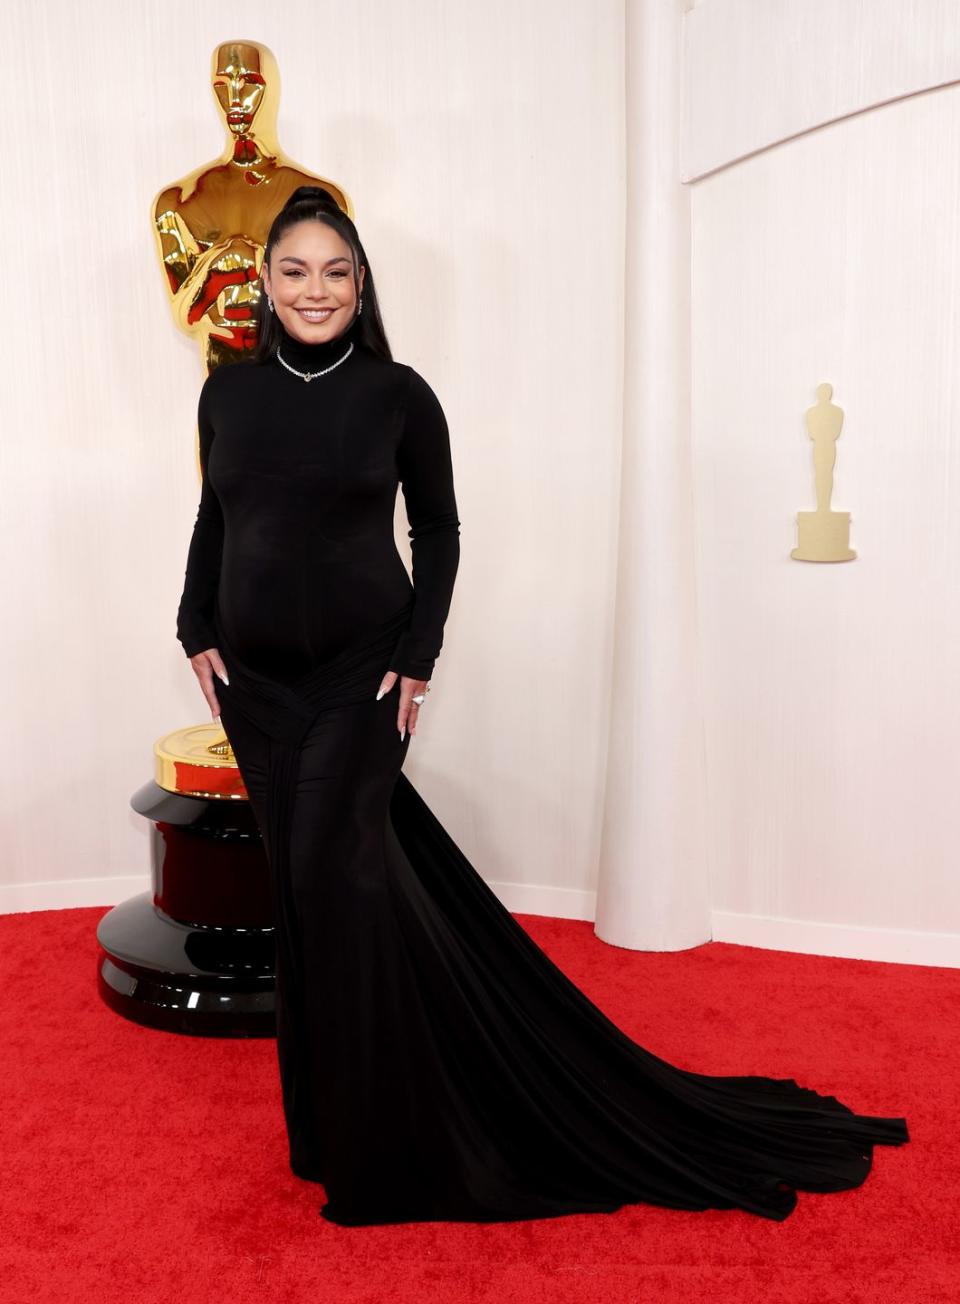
(824, 536)
(198, 761)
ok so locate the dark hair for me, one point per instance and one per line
(314, 204)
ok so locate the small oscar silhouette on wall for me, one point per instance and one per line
(824, 535)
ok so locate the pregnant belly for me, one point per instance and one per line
(283, 621)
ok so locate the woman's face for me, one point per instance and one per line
(310, 279)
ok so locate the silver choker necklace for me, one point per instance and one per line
(312, 375)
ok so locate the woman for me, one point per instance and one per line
(434, 1063)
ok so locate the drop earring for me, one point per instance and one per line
(269, 303)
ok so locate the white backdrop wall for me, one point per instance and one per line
(831, 724)
(483, 149)
(762, 71)
(812, 763)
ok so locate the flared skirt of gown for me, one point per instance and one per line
(435, 1064)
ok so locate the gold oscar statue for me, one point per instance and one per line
(824, 535)
(211, 226)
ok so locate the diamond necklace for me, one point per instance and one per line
(312, 375)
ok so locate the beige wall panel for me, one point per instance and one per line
(761, 71)
(832, 718)
(483, 148)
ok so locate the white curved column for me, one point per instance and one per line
(653, 884)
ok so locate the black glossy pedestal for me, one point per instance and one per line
(195, 954)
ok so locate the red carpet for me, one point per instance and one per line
(150, 1168)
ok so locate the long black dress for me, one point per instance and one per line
(434, 1062)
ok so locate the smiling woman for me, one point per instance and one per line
(434, 1063)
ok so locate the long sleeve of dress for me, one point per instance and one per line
(196, 630)
(426, 478)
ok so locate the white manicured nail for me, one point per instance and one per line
(381, 693)
(224, 677)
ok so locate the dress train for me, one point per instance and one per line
(435, 1063)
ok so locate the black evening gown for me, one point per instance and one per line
(434, 1062)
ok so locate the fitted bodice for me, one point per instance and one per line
(294, 548)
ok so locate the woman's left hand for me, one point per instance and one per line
(409, 689)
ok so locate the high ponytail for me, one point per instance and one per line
(316, 194)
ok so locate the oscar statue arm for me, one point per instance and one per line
(197, 271)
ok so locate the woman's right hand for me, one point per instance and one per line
(205, 666)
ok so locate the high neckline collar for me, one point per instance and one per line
(314, 357)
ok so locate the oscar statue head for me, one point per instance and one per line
(246, 84)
